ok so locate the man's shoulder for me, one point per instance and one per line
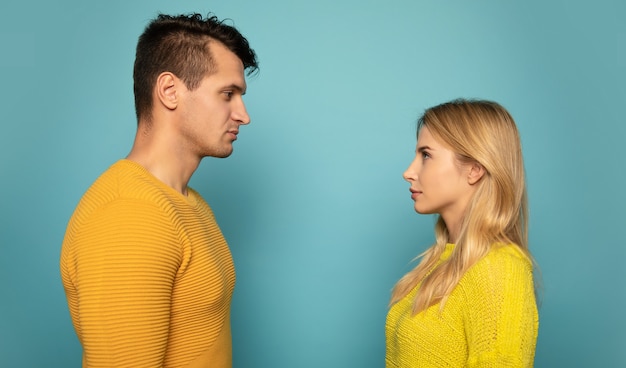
(125, 179)
(126, 187)
(122, 182)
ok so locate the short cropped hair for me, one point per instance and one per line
(180, 45)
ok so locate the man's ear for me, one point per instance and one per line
(166, 90)
(476, 172)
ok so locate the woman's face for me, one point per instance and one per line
(439, 182)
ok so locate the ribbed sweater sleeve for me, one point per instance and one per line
(125, 277)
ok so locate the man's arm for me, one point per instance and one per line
(123, 265)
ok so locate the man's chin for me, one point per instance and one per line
(221, 154)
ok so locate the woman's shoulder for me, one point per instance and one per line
(508, 253)
(503, 259)
(505, 270)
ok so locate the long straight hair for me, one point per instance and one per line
(482, 132)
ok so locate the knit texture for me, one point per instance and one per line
(147, 274)
(489, 320)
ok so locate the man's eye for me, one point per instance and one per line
(228, 94)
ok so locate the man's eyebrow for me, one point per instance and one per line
(236, 87)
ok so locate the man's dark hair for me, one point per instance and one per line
(179, 44)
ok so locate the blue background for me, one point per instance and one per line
(312, 202)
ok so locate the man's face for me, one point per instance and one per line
(212, 113)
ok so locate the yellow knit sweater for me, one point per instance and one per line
(489, 320)
(147, 274)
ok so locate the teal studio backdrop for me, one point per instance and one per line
(312, 201)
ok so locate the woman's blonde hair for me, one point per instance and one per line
(482, 132)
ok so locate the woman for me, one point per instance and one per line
(470, 301)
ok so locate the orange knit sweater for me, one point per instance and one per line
(489, 320)
(147, 274)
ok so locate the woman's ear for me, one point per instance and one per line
(166, 90)
(476, 172)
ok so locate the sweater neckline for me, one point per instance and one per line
(190, 198)
(447, 252)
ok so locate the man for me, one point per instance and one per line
(147, 273)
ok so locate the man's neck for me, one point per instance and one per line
(163, 158)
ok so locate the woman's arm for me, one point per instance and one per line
(501, 311)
